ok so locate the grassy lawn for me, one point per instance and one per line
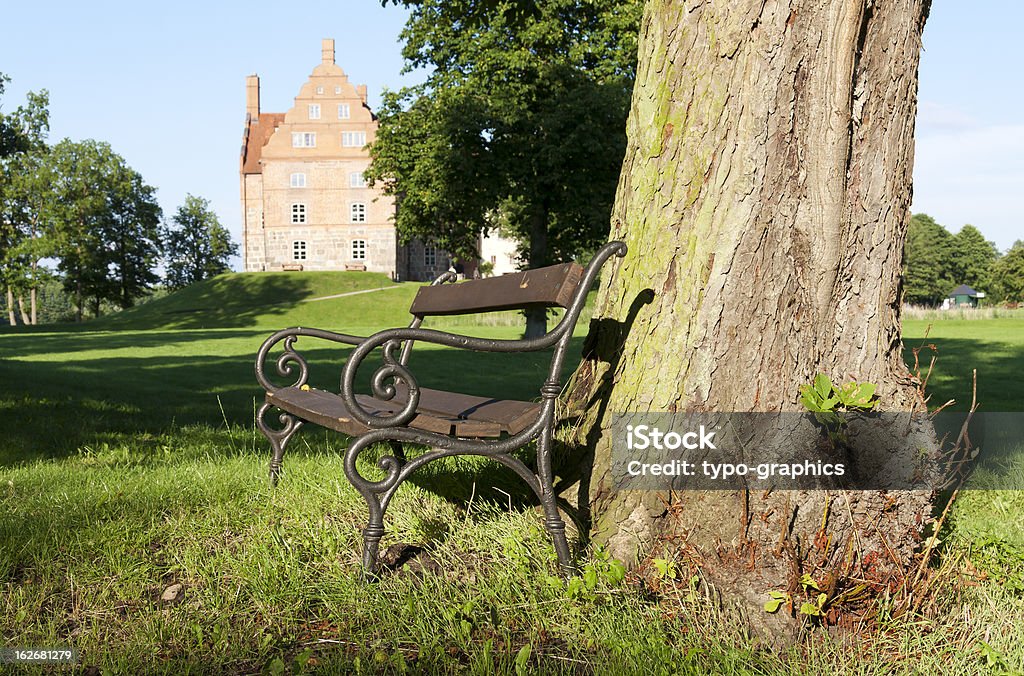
(995, 347)
(129, 465)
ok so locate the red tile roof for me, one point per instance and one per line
(257, 133)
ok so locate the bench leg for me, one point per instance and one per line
(552, 518)
(278, 438)
(374, 530)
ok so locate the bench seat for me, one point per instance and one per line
(450, 413)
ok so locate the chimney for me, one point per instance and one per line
(252, 96)
(361, 90)
(327, 51)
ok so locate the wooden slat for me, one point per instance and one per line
(329, 410)
(552, 286)
(513, 416)
(443, 412)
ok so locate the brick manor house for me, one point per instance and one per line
(305, 203)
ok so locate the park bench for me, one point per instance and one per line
(398, 411)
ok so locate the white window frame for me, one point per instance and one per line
(303, 139)
(353, 139)
(299, 250)
(356, 180)
(314, 111)
(357, 212)
(319, 90)
(299, 213)
(359, 249)
(429, 255)
(297, 180)
(344, 110)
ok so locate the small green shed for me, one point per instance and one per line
(964, 295)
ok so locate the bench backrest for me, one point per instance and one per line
(553, 286)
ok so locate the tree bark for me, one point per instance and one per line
(10, 307)
(764, 198)
(537, 318)
(21, 309)
(79, 299)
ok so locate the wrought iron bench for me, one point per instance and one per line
(399, 411)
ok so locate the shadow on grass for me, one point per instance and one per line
(82, 389)
(226, 301)
(999, 366)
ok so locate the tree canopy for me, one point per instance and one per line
(935, 262)
(520, 123)
(105, 221)
(1008, 274)
(971, 258)
(196, 246)
(927, 273)
(22, 238)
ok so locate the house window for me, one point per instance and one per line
(314, 111)
(343, 110)
(429, 255)
(353, 139)
(337, 90)
(298, 213)
(299, 250)
(357, 212)
(298, 181)
(356, 180)
(303, 139)
(359, 249)
(319, 90)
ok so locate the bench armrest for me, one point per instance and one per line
(290, 359)
(396, 368)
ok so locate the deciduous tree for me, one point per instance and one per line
(971, 258)
(765, 200)
(197, 246)
(22, 245)
(927, 275)
(1008, 274)
(519, 124)
(105, 223)
(131, 234)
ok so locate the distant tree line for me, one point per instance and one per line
(77, 206)
(936, 261)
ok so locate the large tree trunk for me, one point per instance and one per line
(764, 198)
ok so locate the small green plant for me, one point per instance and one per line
(522, 660)
(602, 569)
(992, 658)
(666, 569)
(825, 400)
(813, 607)
(775, 600)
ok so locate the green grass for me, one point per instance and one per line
(129, 463)
(994, 347)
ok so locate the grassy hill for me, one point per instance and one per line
(243, 299)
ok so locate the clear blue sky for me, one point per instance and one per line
(164, 84)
